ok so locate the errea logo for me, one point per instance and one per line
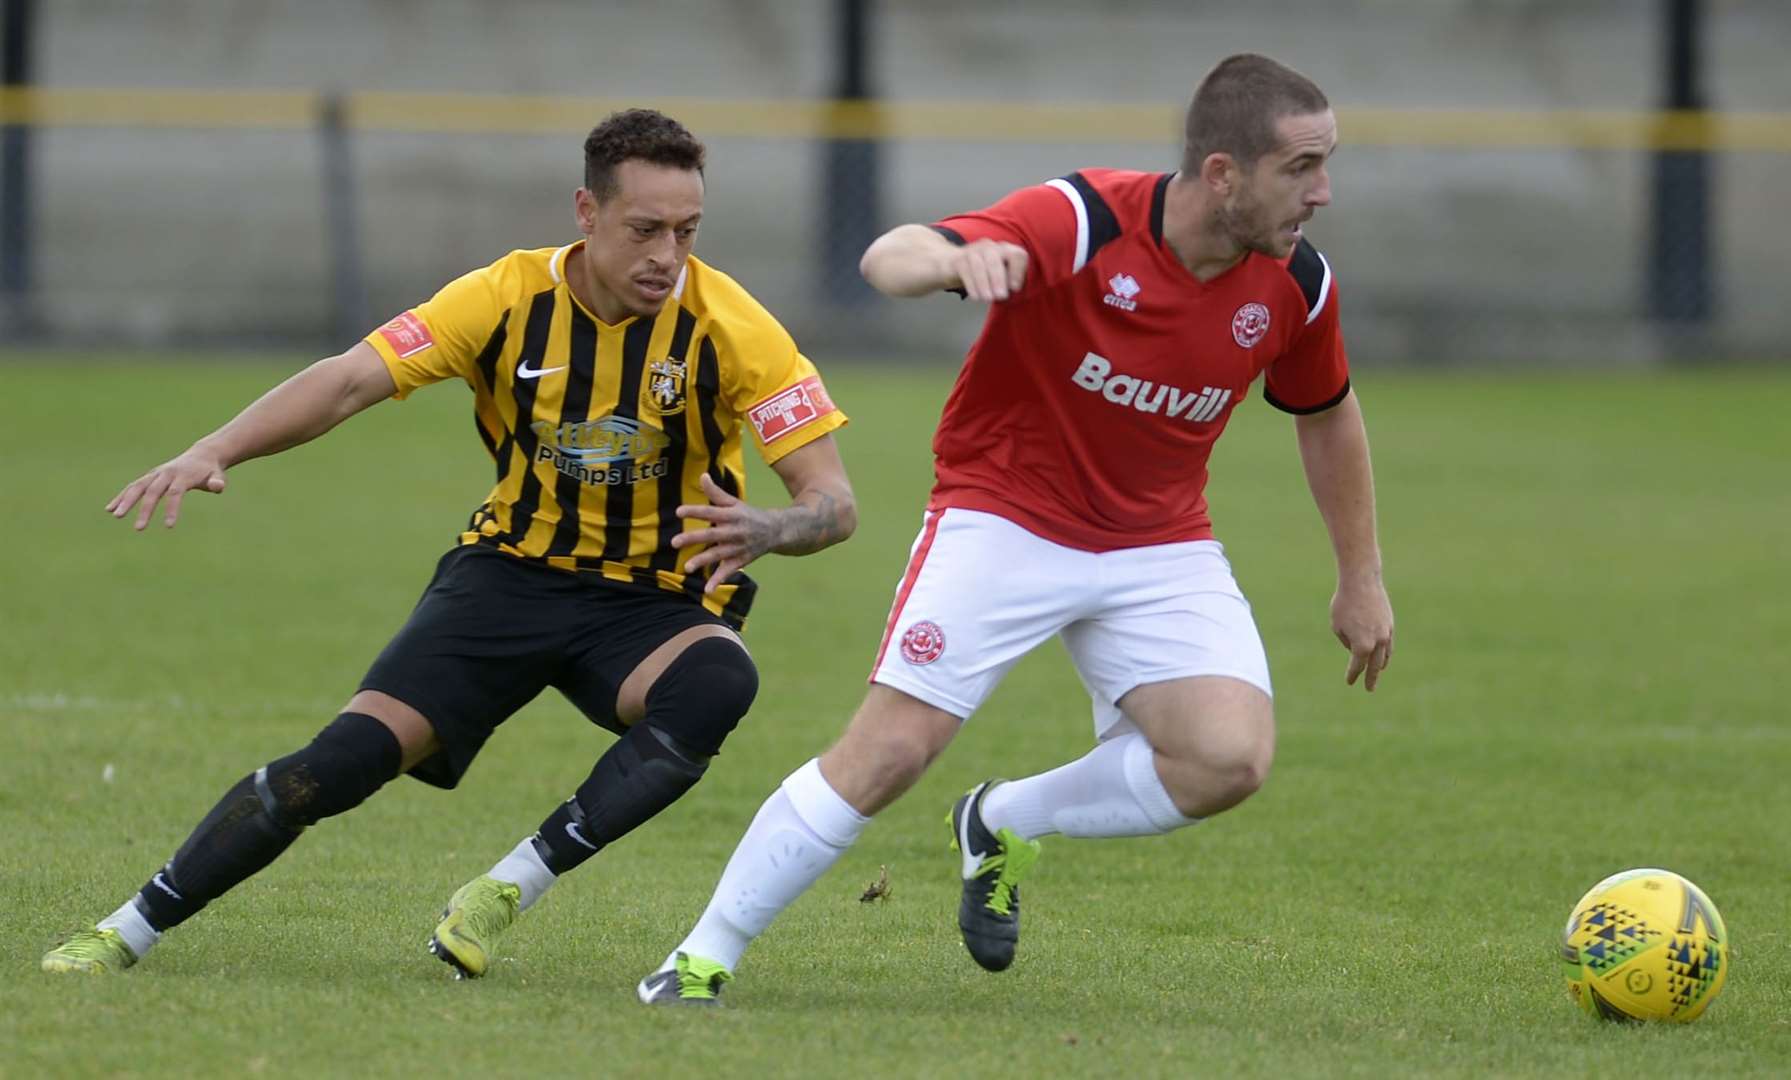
(1096, 374)
(1124, 290)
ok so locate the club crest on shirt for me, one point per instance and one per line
(665, 385)
(923, 643)
(1250, 324)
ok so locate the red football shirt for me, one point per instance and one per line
(1089, 405)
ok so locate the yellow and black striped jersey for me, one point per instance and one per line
(599, 431)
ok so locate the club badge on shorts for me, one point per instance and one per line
(923, 643)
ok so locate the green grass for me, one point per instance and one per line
(1590, 578)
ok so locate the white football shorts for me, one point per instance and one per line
(980, 592)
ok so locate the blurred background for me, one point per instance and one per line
(1588, 182)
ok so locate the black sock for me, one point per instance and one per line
(264, 813)
(234, 841)
(636, 778)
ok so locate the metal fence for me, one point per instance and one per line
(1498, 193)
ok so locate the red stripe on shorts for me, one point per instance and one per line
(907, 586)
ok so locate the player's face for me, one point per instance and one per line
(1286, 186)
(636, 241)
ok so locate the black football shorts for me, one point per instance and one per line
(493, 630)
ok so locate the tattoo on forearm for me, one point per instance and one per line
(762, 534)
(810, 525)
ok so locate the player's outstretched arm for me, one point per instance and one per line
(914, 260)
(296, 411)
(821, 513)
(1334, 450)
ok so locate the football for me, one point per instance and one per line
(1645, 945)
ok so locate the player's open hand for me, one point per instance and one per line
(195, 470)
(737, 533)
(988, 270)
(1362, 618)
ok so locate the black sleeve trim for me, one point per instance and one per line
(1309, 409)
(1159, 197)
(1308, 270)
(1103, 226)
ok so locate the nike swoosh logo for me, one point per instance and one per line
(162, 883)
(524, 371)
(572, 831)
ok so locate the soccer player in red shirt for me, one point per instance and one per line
(1129, 314)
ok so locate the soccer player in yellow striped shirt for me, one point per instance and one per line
(615, 382)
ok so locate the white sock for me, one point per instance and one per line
(802, 829)
(1113, 790)
(132, 927)
(524, 869)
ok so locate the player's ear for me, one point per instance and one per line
(1220, 172)
(584, 209)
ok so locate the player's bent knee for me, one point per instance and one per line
(1232, 778)
(348, 761)
(1246, 777)
(703, 693)
(1209, 778)
(416, 735)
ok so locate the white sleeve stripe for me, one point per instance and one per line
(684, 272)
(1324, 288)
(1075, 197)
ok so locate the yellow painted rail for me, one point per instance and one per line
(978, 121)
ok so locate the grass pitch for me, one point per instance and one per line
(1591, 673)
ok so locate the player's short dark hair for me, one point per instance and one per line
(1236, 106)
(637, 135)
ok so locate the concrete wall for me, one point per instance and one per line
(1442, 255)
